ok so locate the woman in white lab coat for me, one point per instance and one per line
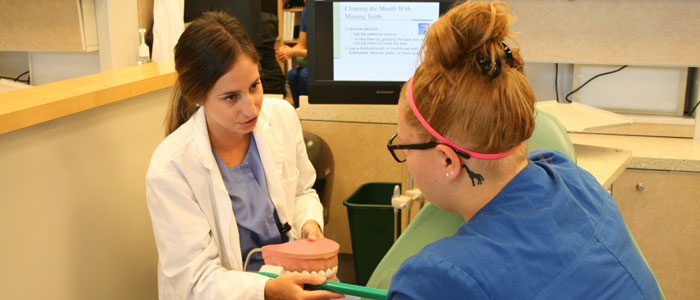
(218, 125)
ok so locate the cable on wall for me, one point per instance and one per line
(589, 80)
(20, 75)
(17, 79)
(690, 113)
(556, 77)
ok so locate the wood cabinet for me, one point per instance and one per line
(48, 25)
(661, 209)
(287, 19)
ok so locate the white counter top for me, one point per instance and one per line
(605, 164)
(655, 153)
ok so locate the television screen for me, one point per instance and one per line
(361, 52)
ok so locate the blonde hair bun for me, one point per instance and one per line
(469, 33)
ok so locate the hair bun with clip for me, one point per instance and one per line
(485, 63)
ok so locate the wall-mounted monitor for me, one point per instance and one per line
(361, 52)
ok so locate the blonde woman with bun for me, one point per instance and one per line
(536, 225)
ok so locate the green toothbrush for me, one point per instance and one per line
(342, 288)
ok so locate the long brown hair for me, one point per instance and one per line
(206, 50)
(457, 89)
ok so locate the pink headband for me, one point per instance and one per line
(446, 141)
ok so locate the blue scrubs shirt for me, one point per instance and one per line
(256, 217)
(302, 26)
(553, 232)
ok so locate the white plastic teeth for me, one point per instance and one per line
(328, 273)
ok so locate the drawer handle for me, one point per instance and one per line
(640, 186)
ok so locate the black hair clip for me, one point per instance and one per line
(509, 54)
(485, 62)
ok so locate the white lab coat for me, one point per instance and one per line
(193, 219)
(168, 25)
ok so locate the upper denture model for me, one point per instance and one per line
(319, 257)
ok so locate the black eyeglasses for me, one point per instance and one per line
(400, 156)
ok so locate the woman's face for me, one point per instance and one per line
(423, 165)
(233, 104)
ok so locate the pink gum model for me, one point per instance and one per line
(319, 257)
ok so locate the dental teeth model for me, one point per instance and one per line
(319, 257)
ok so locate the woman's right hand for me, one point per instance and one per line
(291, 286)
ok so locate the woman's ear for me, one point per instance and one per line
(451, 162)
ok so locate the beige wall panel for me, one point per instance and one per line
(360, 156)
(40, 25)
(73, 217)
(600, 31)
(663, 218)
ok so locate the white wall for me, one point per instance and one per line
(12, 64)
(541, 77)
(52, 67)
(117, 33)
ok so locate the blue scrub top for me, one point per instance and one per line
(256, 217)
(302, 26)
(553, 232)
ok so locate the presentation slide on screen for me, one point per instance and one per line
(379, 41)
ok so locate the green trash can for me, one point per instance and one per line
(371, 219)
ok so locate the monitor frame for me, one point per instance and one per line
(324, 91)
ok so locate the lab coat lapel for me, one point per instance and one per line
(271, 149)
(203, 145)
(223, 209)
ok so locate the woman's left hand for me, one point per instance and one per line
(311, 230)
(284, 53)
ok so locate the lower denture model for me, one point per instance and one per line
(319, 257)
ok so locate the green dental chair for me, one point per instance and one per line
(548, 134)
